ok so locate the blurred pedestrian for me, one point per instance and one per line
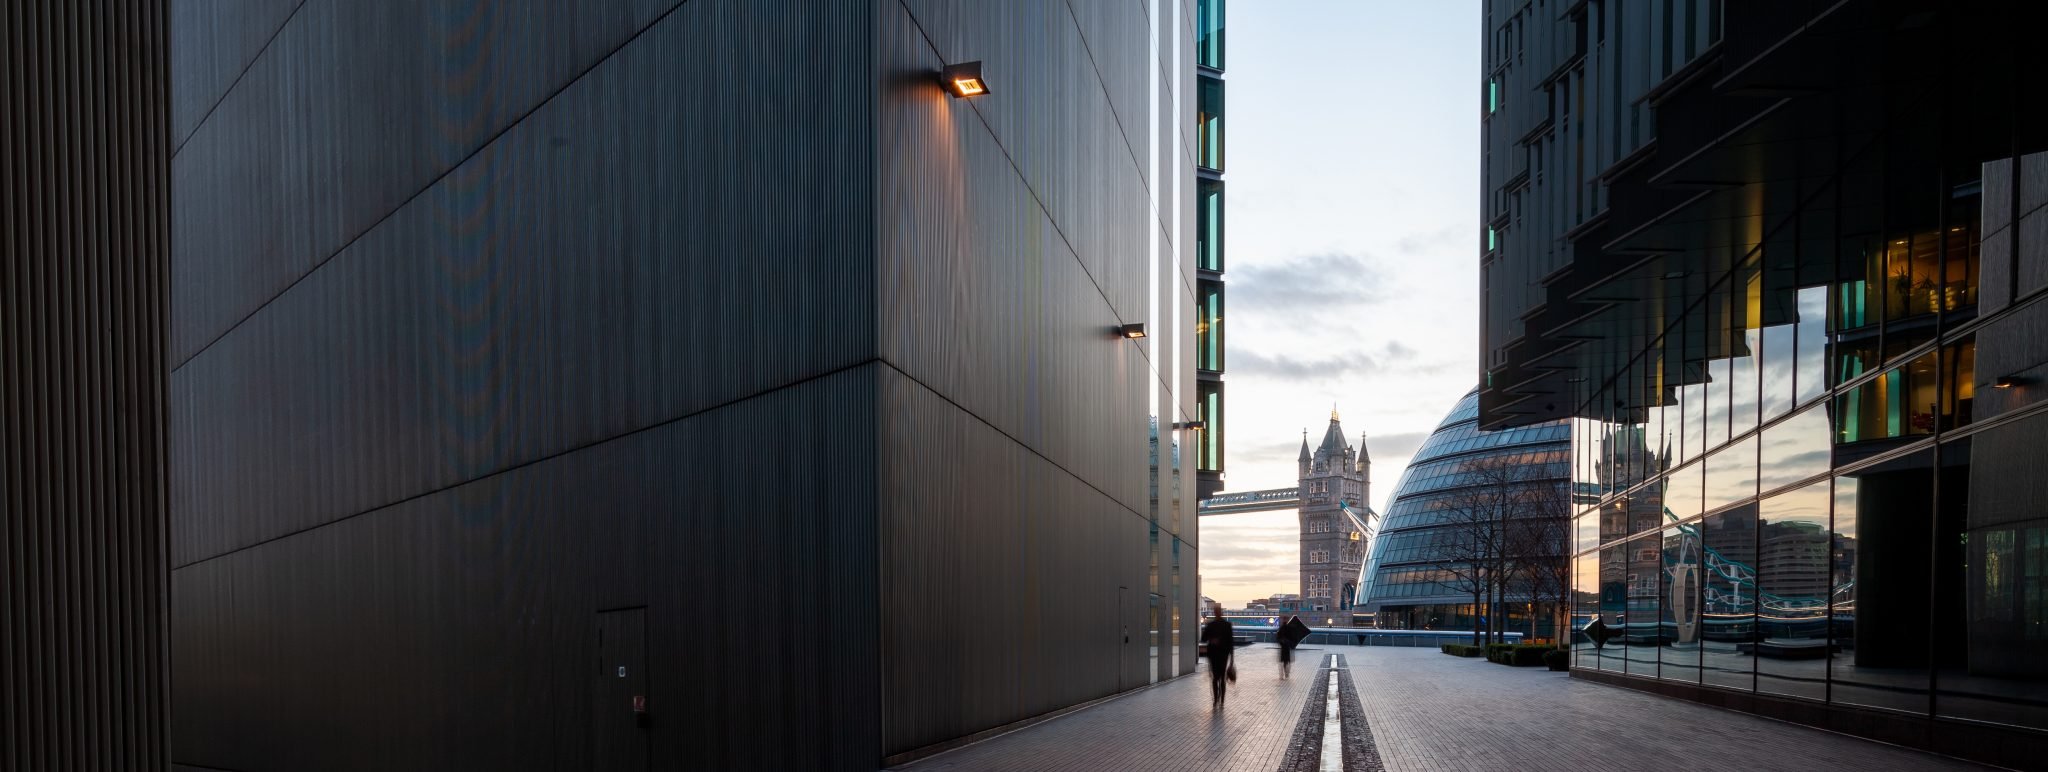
(1217, 642)
(1287, 640)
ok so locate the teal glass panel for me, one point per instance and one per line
(1209, 33)
(1209, 225)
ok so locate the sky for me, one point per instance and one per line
(1351, 244)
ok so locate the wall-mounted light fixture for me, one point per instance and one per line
(963, 80)
(1134, 330)
(1193, 426)
(2008, 381)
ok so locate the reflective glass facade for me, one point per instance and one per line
(1801, 342)
(1209, 343)
(1415, 578)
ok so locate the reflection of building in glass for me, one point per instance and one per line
(1415, 579)
(1787, 283)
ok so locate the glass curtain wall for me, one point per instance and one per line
(1794, 490)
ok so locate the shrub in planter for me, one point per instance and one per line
(1461, 650)
(1558, 659)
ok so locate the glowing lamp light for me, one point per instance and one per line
(1134, 330)
(963, 80)
(1194, 426)
(2005, 382)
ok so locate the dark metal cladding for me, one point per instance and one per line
(707, 340)
(83, 257)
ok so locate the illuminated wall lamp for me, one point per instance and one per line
(1193, 426)
(963, 80)
(2008, 381)
(1134, 330)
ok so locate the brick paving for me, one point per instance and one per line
(1167, 727)
(1420, 705)
(1424, 712)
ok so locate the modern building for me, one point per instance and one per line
(1785, 268)
(84, 251)
(1418, 575)
(1332, 477)
(506, 339)
(1208, 155)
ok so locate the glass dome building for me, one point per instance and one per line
(1411, 581)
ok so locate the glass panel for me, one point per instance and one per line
(1209, 33)
(1645, 566)
(1209, 325)
(1585, 532)
(1796, 449)
(1683, 491)
(1994, 534)
(1728, 605)
(1693, 401)
(1612, 641)
(1209, 123)
(1731, 474)
(1912, 291)
(1898, 403)
(1777, 370)
(1585, 609)
(1718, 381)
(1811, 350)
(1209, 404)
(1742, 385)
(1881, 520)
(1678, 631)
(1958, 383)
(1960, 253)
(1792, 593)
(1858, 311)
(1209, 225)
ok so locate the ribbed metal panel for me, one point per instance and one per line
(82, 304)
(501, 316)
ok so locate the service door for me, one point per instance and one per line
(621, 714)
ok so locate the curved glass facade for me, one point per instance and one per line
(1416, 577)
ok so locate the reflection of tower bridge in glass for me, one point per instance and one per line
(1336, 524)
(1740, 574)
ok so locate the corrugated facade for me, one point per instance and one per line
(82, 320)
(505, 333)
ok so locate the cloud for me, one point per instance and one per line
(1309, 284)
(1395, 446)
(1339, 364)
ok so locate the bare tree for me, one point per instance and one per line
(1501, 533)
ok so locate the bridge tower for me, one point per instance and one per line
(1332, 549)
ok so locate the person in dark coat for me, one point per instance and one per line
(1287, 643)
(1217, 642)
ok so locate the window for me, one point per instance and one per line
(1209, 409)
(1209, 225)
(1209, 123)
(1209, 325)
(1209, 33)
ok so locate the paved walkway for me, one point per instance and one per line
(1427, 713)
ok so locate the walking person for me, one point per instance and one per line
(1216, 646)
(1287, 640)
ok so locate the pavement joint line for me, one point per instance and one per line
(1333, 722)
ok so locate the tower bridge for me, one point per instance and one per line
(1336, 523)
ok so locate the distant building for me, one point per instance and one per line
(1407, 587)
(1332, 545)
